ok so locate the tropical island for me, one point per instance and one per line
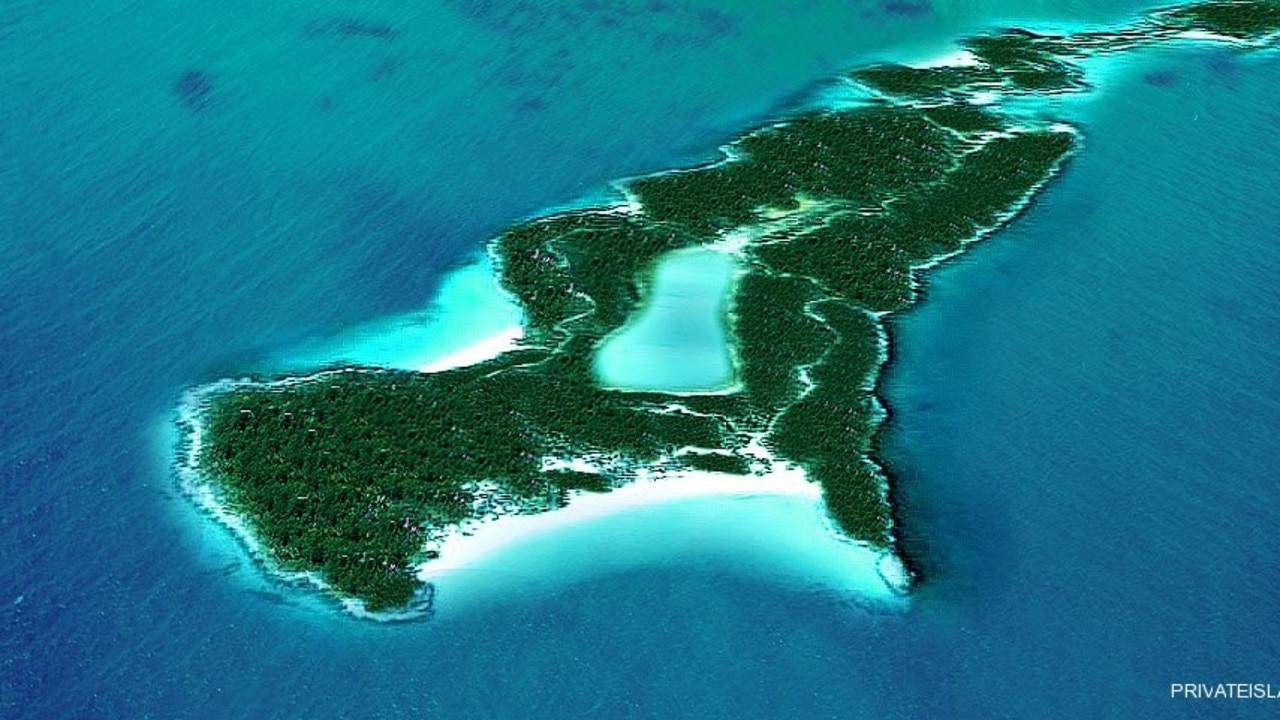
(352, 475)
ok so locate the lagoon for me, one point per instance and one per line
(679, 341)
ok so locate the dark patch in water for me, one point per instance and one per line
(1226, 309)
(924, 406)
(906, 8)
(194, 88)
(717, 24)
(347, 28)
(531, 104)
(663, 23)
(385, 68)
(376, 222)
(532, 72)
(17, 473)
(1160, 78)
(1117, 340)
(1223, 65)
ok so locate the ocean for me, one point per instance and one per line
(1083, 411)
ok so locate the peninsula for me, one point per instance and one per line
(353, 475)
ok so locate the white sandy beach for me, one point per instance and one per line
(491, 347)
(464, 548)
(957, 58)
(773, 523)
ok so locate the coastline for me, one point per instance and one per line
(202, 490)
(196, 485)
(476, 543)
(880, 575)
(458, 546)
(487, 349)
(462, 546)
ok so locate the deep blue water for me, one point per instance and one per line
(1085, 416)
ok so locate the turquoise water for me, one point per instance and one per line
(679, 339)
(1083, 412)
(467, 307)
(798, 551)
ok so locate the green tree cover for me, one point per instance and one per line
(1026, 61)
(867, 259)
(776, 336)
(1242, 19)
(715, 462)
(921, 83)
(587, 266)
(964, 118)
(346, 473)
(1013, 61)
(343, 474)
(860, 157)
(336, 473)
(828, 431)
(1017, 60)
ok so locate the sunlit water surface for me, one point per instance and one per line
(1084, 410)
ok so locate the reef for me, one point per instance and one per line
(351, 474)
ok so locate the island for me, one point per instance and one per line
(351, 476)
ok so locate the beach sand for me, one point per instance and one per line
(770, 525)
(491, 347)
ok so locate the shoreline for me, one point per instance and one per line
(463, 546)
(195, 484)
(472, 541)
(200, 488)
(460, 546)
(505, 340)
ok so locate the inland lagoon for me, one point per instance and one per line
(679, 341)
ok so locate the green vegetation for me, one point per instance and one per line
(964, 118)
(349, 473)
(922, 83)
(1026, 61)
(1012, 61)
(337, 472)
(777, 337)
(859, 157)
(828, 431)
(867, 259)
(714, 462)
(583, 267)
(1241, 18)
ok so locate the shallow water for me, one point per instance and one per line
(468, 307)
(1084, 411)
(713, 522)
(679, 340)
